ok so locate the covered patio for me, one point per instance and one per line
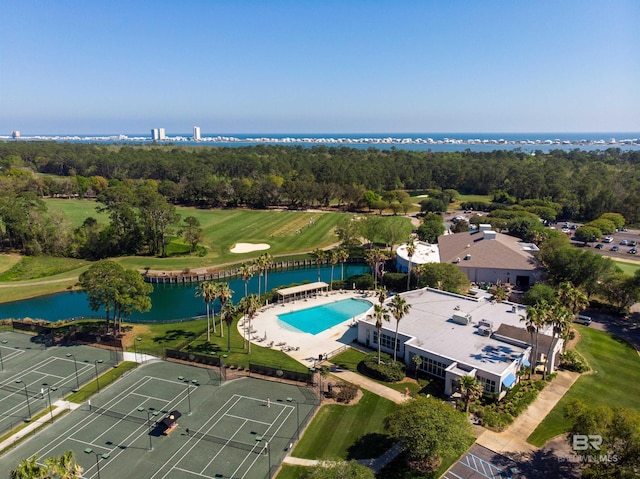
(302, 292)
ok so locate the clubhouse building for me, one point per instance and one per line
(457, 336)
(486, 256)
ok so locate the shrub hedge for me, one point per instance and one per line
(385, 371)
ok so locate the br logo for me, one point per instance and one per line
(582, 442)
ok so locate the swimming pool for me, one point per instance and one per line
(319, 318)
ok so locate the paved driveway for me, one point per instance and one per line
(482, 463)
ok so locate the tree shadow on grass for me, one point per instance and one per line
(369, 446)
(204, 348)
(175, 335)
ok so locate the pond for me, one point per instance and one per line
(169, 302)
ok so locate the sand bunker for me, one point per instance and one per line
(249, 247)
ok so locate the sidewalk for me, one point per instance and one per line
(514, 438)
(58, 408)
(370, 385)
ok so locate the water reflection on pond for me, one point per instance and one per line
(169, 301)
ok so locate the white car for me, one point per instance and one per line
(608, 239)
(582, 319)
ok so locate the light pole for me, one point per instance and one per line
(269, 456)
(1, 361)
(188, 395)
(95, 363)
(98, 463)
(98, 457)
(148, 424)
(75, 364)
(135, 351)
(26, 394)
(49, 389)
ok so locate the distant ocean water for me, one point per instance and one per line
(528, 142)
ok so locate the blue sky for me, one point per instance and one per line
(327, 66)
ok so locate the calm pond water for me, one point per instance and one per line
(168, 301)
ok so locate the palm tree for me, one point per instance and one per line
(373, 258)
(571, 297)
(260, 267)
(206, 289)
(471, 390)
(246, 272)
(333, 259)
(417, 362)
(29, 469)
(267, 261)
(382, 296)
(399, 309)
(535, 319)
(411, 250)
(227, 313)
(560, 320)
(318, 256)
(65, 466)
(343, 256)
(223, 293)
(380, 314)
(249, 306)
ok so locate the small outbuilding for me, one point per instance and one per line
(302, 291)
(170, 421)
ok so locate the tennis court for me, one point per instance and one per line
(240, 429)
(31, 375)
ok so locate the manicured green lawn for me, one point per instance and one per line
(350, 358)
(155, 338)
(614, 381)
(628, 268)
(290, 234)
(347, 431)
(7, 261)
(75, 211)
(285, 231)
(291, 472)
(38, 267)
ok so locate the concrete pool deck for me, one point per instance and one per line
(306, 347)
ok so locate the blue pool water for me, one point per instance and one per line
(317, 319)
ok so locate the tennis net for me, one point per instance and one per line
(256, 447)
(118, 415)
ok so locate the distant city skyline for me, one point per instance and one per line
(72, 67)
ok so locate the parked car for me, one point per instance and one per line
(632, 243)
(608, 239)
(582, 319)
(615, 248)
(624, 242)
(633, 251)
(599, 246)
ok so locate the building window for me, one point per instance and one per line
(386, 341)
(431, 366)
(488, 385)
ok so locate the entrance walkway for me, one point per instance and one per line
(369, 385)
(58, 408)
(514, 438)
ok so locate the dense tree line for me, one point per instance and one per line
(585, 183)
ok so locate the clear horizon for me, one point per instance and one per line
(295, 67)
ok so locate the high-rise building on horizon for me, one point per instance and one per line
(15, 134)
(158, 134)
(196, 133)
